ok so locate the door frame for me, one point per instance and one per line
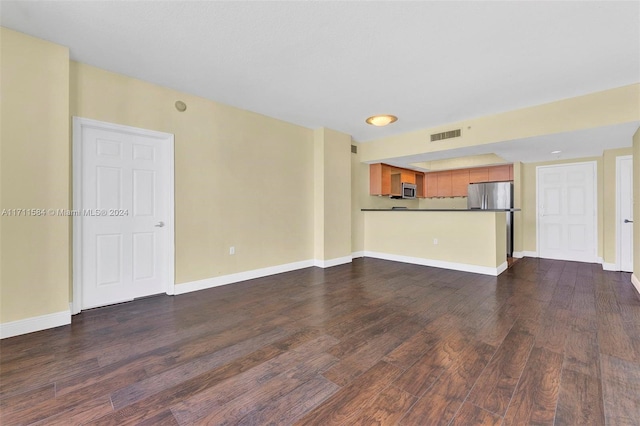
(169, 257)
(594, 165)
(618, 209)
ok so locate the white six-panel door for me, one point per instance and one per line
(126, 220)
(567, 219)
(624, 195)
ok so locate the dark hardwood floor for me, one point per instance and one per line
(373, 342)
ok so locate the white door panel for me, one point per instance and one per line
(126, 190)
(624, 218)
(567, 222)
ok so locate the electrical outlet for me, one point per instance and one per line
(232, 250)
(435, 241)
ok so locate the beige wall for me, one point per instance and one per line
(332, 194)
(636, 203)
(604, 108)
(241, 179)
(357, 193)
(470, 238)
(34, 174)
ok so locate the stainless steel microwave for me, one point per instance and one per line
(408, 190)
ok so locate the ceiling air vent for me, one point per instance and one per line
(446, 135)
(354, 149)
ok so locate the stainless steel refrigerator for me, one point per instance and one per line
(494, 196)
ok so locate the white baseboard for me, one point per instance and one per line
(518, 254)
(29, 325)
(188, 287)
(528, 253)
(357, 254)
(609, 266)
(485, 270)
(332, 262)
(635, 282)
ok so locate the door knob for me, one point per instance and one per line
(159, 224)
(628, 221)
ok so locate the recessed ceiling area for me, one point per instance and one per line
(332, 64)
(578, 144)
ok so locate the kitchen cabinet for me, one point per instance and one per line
(387, 180)
(454, 183)
(420, 185)
(499, 173)
(459, 182)
(479, 174)
(408, 176)
(444, 184)
(431, 185)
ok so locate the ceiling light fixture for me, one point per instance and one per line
(556, 152)
(381, 120)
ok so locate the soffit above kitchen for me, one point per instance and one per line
(332, 64)
(576, 144)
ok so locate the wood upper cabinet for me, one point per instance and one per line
(408, 176)
(444, 184)
(479, 174)
(454, 183)
(375, 179)
(431, 185)
(387, 180)
(500, 173)
(459, 182)
(420, 185)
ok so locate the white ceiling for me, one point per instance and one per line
(333, 64)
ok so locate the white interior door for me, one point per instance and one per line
(126, 214)
(624, 194)
(567, 218)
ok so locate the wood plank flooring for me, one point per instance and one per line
(372, 342)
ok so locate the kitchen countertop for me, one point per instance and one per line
(438, 210)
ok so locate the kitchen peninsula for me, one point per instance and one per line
(459, 239)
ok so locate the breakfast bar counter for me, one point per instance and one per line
(465, 240)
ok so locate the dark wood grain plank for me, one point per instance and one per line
(156, 403)
(185, 371)
(469, 415)
(579, 400)
(621, 390)
(613, 338)
(212, 398)
(294, 405)
(80, 414)
(271, 389)
(495, 386)
(386, 409)
(345, 404)
(440, 403)
(536, 396)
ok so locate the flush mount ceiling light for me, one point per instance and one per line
(381, 120)
(556, 152)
